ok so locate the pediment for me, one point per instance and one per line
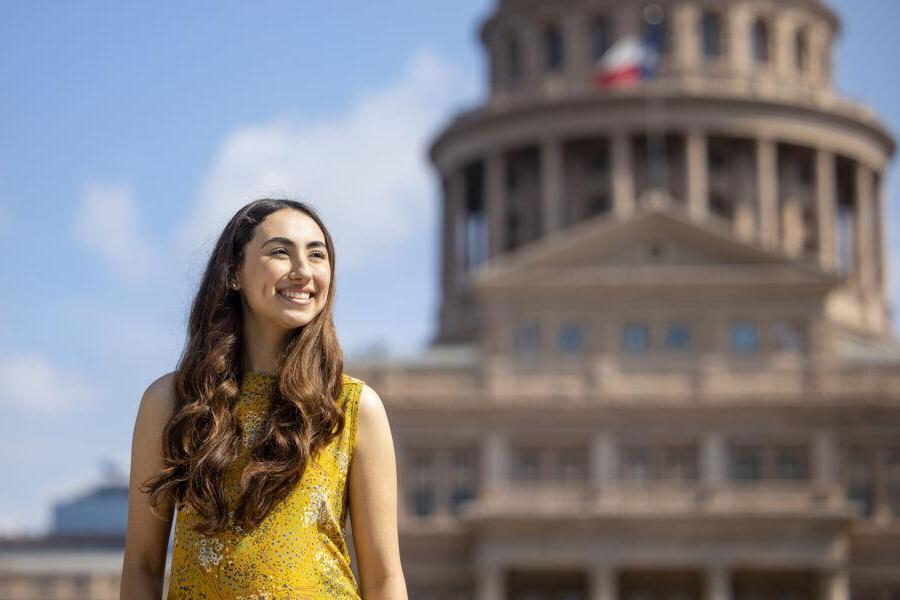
(655, 244)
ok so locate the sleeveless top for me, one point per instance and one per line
(298, 551)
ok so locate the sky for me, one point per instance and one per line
(132, 131)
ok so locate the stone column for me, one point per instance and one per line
(881, 509)
(628, 20)
(718, 584)
(602, 583)
(880, 234)
(826, 208)
(824, 463)
(687, 47)
(495, 197)
(495, 462)
(713, 468)
(490, 583)
(551, 185)
(603, 461)
(577, 51)
(767, 187)
(622, 175)
(532, 56)
(784, 45)
(818, 53)
(865, 228)
(737, 45)
(698, 174)
(835, 584)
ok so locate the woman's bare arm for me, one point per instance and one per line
(147, 536)
(373, 503)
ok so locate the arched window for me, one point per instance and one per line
(760, 42)
(513, 58)
(711, 34)
(553, 48)
(801, 50)
(601, 36)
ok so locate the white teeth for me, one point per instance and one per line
(299, 295)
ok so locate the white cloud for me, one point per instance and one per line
(108, 223)
(31, 384)
(364, 170)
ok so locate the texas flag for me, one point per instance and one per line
(629, 60)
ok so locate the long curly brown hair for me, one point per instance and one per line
(203, 437)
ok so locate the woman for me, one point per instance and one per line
(259, 437)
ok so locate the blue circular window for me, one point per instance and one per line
(744, 337)
(571, 338)
(635, 337)
(678, 336)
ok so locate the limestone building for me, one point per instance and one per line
(664, 366)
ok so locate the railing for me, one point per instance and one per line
(660, 500)
(608, 380)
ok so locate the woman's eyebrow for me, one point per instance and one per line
(288, 242)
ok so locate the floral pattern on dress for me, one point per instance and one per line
(299, 550)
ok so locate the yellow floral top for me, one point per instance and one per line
(298, 551)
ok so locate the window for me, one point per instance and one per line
(571, 338)
(801, 50)
(860, 480)
(788, 335)
(744, 337)
(678, 337)
(599, 162)
(636, 464)
(513, 59)
(760, 42)
(845, 226)
(601, 36)
(422, 479)
(791, 463)
(527, 464)
(635, 337)
(598, 204)
(643, 464)
(553, 48)
(571, 464)
(711, 26)
(462, 478)
(746, 463)
(527, 339)
(892, 474)
(679, 463)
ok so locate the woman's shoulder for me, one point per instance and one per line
(160, 394)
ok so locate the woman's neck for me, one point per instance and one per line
(262, 346)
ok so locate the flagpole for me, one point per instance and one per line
(656, 159)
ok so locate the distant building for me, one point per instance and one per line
(81, 557)
(101, 511)
(664, 366)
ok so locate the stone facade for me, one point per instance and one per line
(664, 365)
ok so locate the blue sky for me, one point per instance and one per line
(130, 134)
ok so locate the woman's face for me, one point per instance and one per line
(287, 255)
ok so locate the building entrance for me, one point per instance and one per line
(530, 584)
(660, 585)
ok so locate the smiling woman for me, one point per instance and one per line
(259, 439)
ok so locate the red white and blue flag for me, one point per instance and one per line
(629, 60)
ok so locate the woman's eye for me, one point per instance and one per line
(319, 254)
(276, 251)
